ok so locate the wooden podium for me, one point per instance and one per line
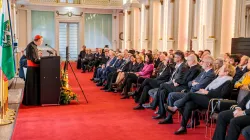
(50, 80)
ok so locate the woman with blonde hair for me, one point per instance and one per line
(135, 65)
(218, 88)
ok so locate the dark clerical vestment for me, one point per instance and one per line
(32, 83)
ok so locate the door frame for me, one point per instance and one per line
(79, 20)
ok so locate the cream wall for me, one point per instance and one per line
(22, 28)
(207, 23)
(24, 23)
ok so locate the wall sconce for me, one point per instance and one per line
(69, 14)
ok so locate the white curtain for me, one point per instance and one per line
(98, 30)
(43, 23)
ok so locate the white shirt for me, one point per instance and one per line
(248, 105)
(243, 67)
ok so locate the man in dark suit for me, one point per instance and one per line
(141, 93)
(200, 82)
(176, 78)
(243, 63)
(111, 68)
(102, 60)
(236, 119)
(113, 75)
(161, 65)
(189, 75)
(110, 62)
(235, 61)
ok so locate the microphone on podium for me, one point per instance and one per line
(52, 49)
(50, 52)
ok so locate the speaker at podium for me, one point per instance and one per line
(50, 80)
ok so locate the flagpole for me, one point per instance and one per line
(8, 5)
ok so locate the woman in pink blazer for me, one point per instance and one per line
(138, 76)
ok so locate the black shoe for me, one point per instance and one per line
(99, 84)
(109, 90)
(132, 93)
(147, 105)
(181, 130)
(83, 71)
(166, 121)
(139, 107)
(125, 97)
(158, 117)
(136, 98)
(191, 125)
(92, 79)
(119, 89)
(170, 111)
(103, 88)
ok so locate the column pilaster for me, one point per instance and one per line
(210, 42)
(228, 25)
(170, 25)
(183, 24)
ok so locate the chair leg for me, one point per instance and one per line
(178, 116)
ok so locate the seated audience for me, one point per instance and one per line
(138, 77)
(178, 86)
(218, 88)
(233, 121)
(133, 67)
(101, 70)
(87, 61)
(243, 63)
(235, 61)
(123, 68)
(141, 93)
(176, 78)
(245, 79)
(157, 60)
(103, 60)
(111, 68)
(98, 57)
(200, 82)
(80, 57)
(160, 66)
(200, 53)
(218, 63)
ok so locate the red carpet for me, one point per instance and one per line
(104, 117)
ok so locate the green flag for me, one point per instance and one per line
(7, 53)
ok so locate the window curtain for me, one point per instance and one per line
(98, 30)
(43, 23)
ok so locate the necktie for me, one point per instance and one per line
(163, 70)
(173, 74)
(114, 63)
(203, 74)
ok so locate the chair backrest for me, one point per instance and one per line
(242, 94)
